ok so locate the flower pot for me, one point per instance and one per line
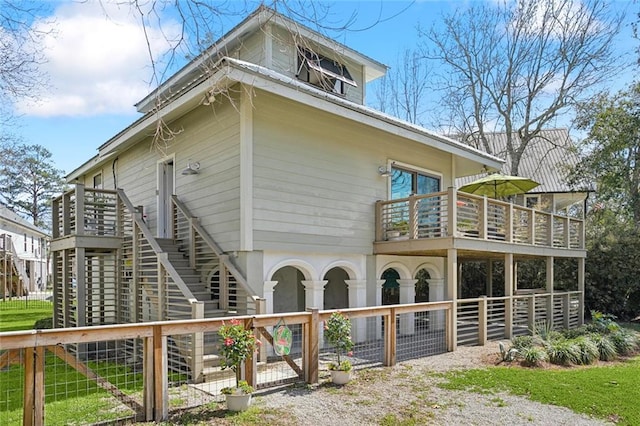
(238, 402)
(340, 377)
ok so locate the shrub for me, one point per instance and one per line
(337, 330)
(563, 352)
(624, 342)
(507, 355)
(44, 323)
(533, 355)
(522, 342)
(588, 350)
(583, 330)
(606, 348)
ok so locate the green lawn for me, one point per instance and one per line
(609, 392)
(22, 316)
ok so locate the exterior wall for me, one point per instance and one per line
(208, 135)
(316, 177)
(252, 49)
(284, 60)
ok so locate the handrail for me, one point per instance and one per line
(161, 254)
(240, 279)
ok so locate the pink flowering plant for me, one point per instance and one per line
(236, 344)
(337, 330)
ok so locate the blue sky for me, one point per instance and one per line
(98, 66)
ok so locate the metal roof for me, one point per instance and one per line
(547, 160)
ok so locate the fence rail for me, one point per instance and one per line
(148, 388)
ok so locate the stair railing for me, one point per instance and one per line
(17, 262)
(201, 249)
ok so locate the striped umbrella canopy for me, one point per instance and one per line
(498, 185)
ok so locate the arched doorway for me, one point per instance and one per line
(336, 292)
(391, 287)
(288, 294)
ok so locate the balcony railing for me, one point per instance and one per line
(458, 214)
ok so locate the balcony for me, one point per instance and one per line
(433, 223)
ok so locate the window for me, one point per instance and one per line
(322, 72)
(97, 181)
(405, 182)
(25, 243)
(531, 201)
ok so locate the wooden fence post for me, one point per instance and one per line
(147, 378)
(250, 364)
(390, 338)
(34, 393)
(313, 356)
(197, 345)
(160, 378)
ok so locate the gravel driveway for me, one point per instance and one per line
(409, 393)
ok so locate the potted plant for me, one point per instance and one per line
(398, 229)
(237, 344)
(338, 333)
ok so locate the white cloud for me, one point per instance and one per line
(97, 60)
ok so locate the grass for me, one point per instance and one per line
(14, 317)
(611, 393)
(68, 394)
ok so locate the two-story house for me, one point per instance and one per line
(304, 196)
(23, 255)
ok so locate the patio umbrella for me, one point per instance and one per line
(499, 185)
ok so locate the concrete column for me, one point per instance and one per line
(436, 294)
(267, 291)
(314, 298)
(407, 295)
(358, 299)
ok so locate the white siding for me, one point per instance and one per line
(208, 135)
(316, 178)
(252, 49)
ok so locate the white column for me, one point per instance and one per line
(436, 294)
(267, 291)
(407, 295)
(314, 298)
(358, 299)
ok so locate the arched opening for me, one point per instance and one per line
(391, 287)
(422, 286)
(336, 292)
(288, 294)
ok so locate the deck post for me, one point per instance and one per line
(147, 378)
(379, 226)
(566, 310)
(29, 387)
(79, 213)
(581, 290)
(452, 217)
(452, 294)
(550, 285)
(508, 292)
(251, 364)
(482, 320)
(413, 215)
(531, 311)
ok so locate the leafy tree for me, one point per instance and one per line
(515, 67)
(28, 181)
(611, 156)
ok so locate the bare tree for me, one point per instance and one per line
(402, 91)
(20, 53)
(517, 66)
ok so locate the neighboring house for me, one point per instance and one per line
(304, 197)
(547, 160)
(23, 255)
